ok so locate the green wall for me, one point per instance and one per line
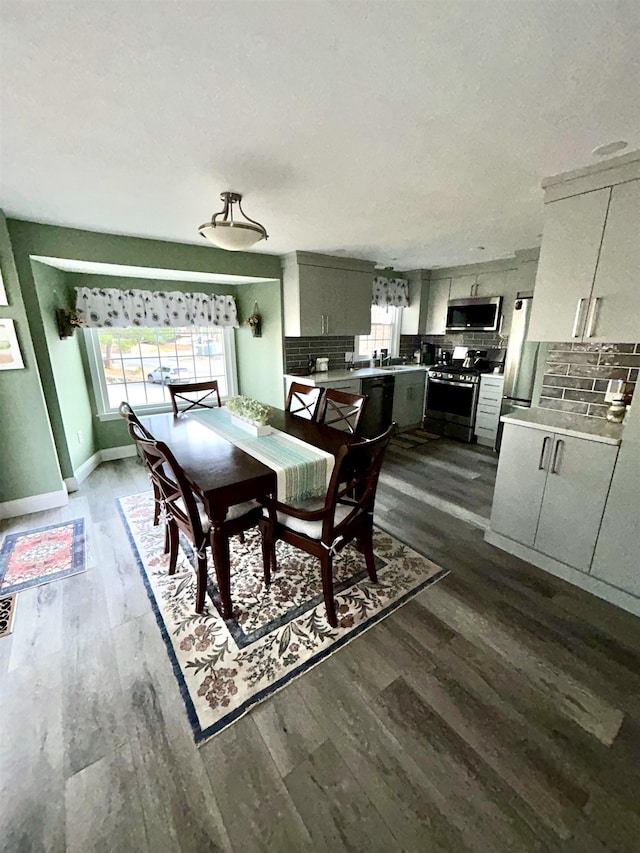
(260, 360)
(53, 395)
(28, 459)
(64, 371)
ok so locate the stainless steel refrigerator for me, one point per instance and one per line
(521, 362)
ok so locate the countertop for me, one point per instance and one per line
(359, 373)
(566, 423)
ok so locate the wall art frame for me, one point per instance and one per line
(10, 355)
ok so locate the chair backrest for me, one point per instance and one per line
(197, 395)
(354, 481)
(302, 400)
(177, 496)
(341, 410)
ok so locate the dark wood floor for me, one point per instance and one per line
(498, 711)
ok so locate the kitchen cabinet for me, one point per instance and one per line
(325, 296)
(551, 490)
(408, 398)
(436, 315)
(587, 280)
(488, 409)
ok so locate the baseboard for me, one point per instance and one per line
(81, 473)
(612, 594)
(110, 453)
(34, 503)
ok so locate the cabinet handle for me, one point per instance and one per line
(322, 319)
(593, 314)
(543, 451)
(554, 465)
(575, 333)
(327, 325)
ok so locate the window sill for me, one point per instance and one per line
(141, 411)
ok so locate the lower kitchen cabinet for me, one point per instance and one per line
(551, 491)
(488, 409)
(408, 398)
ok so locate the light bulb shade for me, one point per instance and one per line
(231, 236)
(227, 233)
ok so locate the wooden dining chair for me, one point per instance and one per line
(131, 418)
(196, 395)
(303, 400)
(324, 526)
(187, 515)
(341, 410)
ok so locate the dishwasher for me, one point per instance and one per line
(378, 410)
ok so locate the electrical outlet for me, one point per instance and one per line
(80, 436)
(615, 389)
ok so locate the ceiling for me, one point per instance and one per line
(406, 133)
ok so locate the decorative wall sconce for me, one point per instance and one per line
(255, 322)
(67, 320)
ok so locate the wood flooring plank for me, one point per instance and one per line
(335, 809)
(179, 808)
(32, 814)
(288, 728)
(37, 628)
(257, 809)
(103, 805)
(125, 593)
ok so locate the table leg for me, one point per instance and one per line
(220, 550)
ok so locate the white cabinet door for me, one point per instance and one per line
(617, 556)
(571, 238)
(358, 290)
(579, 475)
(462, 286)
(314, 284)
(524, 454)
(615, 303)
(437, 307)
(408, 398)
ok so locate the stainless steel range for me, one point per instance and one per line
(452, 395)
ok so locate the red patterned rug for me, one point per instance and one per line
(41, 556)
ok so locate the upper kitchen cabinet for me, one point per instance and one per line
(324, 295)
(587, 280)
(436, 311)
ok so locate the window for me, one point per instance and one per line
(385, 333)
(136, 364)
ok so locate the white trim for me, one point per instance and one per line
(71, 484)
(612, 594)
(85, 469)
(110, 453)
(35, 503)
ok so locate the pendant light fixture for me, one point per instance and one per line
(229, 233)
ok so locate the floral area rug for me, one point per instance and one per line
(277, 632)
(41, 556)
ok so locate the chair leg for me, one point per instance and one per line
(166, 537)
(241, 536)
(266, 551)
(173, 535)
(326, 567)
(201, 583)
(367, 549)
(156, 504)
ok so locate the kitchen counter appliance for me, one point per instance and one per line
(378, 410)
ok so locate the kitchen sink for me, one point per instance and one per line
(399, 367)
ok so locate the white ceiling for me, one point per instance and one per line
(406, 133)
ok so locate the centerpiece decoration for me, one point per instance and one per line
(249, 414)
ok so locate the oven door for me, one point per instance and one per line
(451, 401)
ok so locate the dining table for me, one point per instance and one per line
(221, 474)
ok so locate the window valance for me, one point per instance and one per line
(390, 291)
(111, 307)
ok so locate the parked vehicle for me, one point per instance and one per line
(164, 374)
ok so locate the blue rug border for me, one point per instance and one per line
(200, 735)
(78, 554)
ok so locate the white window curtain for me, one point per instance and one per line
(390, 291)
(113, 308)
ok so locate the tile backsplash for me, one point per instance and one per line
(475, 340)
(298, 351)
(576, 375)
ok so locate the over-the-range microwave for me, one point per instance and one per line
(474, 314)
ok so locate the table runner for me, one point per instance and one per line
(302, 470)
